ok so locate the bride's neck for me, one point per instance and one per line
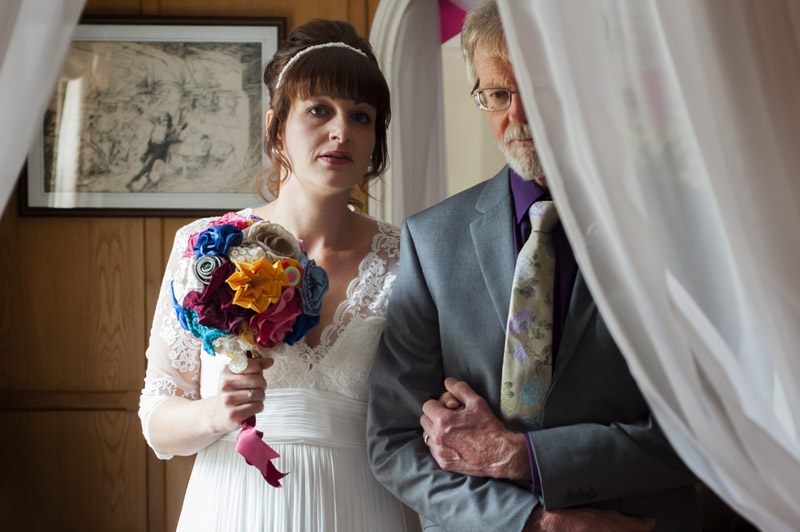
(320, 222)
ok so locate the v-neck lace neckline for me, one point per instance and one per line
(313, 355)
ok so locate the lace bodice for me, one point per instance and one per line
(341, 363)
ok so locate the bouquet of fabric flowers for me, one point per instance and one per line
(249, 286)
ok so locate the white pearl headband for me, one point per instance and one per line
(301, 53)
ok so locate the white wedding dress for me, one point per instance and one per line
(314, 417)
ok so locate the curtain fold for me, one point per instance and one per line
(668, 129)
(34, 39)
(405, 35)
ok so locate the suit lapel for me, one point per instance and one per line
(581, 309)
(494, 242)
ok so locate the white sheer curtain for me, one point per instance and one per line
(669, 131)
(34, 38)
(406, 37)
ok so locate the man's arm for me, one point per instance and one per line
(578, 464)
(465, 437)
(408, 371)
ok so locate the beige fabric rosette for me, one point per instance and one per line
(266, 240)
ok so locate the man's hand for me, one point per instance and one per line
(585, 520)
(465, 437)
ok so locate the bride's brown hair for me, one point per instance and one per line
(332, 71)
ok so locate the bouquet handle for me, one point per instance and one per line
(257, 453)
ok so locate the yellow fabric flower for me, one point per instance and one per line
(257, 284)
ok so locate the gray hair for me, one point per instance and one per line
(482, 29)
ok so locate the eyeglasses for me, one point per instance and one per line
(493, 99)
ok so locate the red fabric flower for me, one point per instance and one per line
(214, 305)
(278, 320)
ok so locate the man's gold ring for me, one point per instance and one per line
(425, 438)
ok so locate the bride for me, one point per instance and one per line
(326, 133)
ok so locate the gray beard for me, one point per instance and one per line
(524, 160)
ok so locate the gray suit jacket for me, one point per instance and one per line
(599, 445)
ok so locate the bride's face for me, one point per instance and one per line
(329, 141)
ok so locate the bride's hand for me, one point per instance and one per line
(448, 400)
(240, 395)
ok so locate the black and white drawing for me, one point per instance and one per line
(165, 124)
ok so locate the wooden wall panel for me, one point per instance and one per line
(77, 297)
(72, 471)
(113, 7)
(296, 12)
(72, 303)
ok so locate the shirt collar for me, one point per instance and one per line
(525, 193)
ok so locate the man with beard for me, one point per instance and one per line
(570, 446)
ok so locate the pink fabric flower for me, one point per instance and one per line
(278, 320)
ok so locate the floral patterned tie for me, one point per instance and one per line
(528, 357)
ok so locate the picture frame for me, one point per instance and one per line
(155, 116)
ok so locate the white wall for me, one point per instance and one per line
(472, 153)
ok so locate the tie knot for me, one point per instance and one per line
(544, 216)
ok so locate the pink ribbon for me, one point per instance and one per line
(257, 453)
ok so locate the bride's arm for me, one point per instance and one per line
(181, 426)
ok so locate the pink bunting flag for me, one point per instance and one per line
(452, 19)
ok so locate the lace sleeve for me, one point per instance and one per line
(173, 355)
(387, 249)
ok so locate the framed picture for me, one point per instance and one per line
(155, 116)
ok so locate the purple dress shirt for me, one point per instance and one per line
(524, 194)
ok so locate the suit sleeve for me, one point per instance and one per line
(408, 371)
(607, 445)
(587, 463)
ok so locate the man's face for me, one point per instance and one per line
(510, 127)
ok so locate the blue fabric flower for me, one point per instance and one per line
(315, 285)
(179, 310)
(217, 240)
(302, 325)
(533, 391)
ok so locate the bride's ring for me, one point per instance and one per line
(249, 393)
(425, 438)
